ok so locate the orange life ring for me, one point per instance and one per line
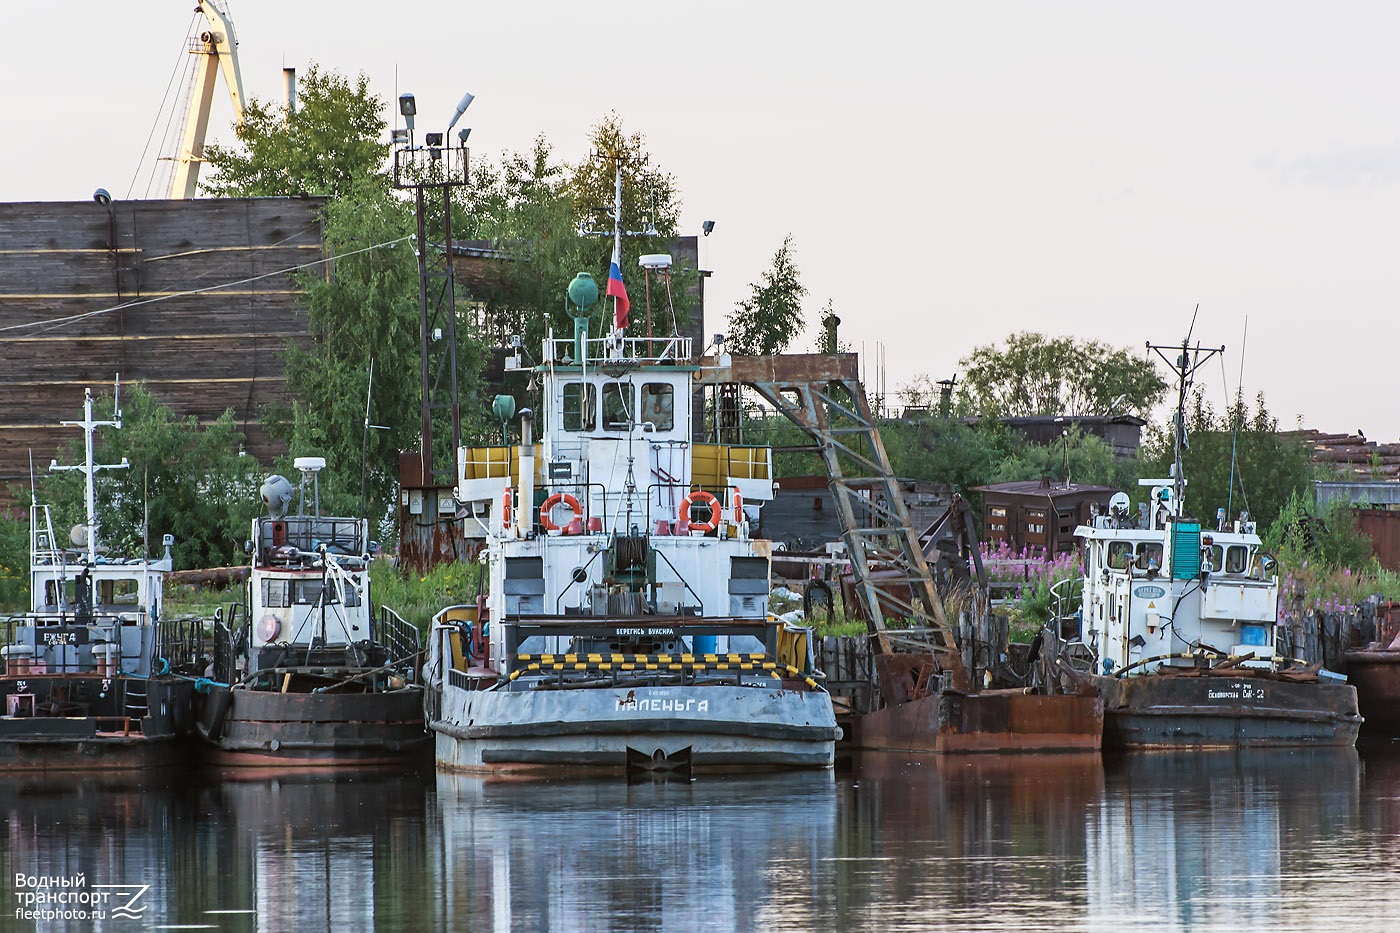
(549, 505)
(701, 495)
(505, 509)
(738, 507)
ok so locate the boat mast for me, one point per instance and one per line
(1184, 367)
(617, 224)
(88, 468)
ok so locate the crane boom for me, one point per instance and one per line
(219, 52)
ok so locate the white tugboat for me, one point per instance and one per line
(306, 672)
(1181, 623)
(91, 672)
(625, 623)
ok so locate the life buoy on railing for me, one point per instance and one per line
(505, 508)
(738, 507)
(701, 496)
(551, 502)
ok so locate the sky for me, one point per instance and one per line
(950, 173)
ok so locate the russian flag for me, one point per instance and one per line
(619, 292)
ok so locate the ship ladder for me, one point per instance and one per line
(137, 702)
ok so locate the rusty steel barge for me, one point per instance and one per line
(1374, 670)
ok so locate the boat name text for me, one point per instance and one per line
(1237, 692)
(64, 638)
(691, 705)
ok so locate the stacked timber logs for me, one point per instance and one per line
(1351, 454)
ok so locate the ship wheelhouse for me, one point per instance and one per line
(1160, 590)
(615, 509)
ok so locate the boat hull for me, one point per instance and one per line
(1220, 710)
(703, 727)
(1375, 673)
(105, 740)
(987, 722)
(258, 728)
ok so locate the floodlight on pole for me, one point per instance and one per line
(462, 106)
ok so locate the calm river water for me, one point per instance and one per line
(1220, 841)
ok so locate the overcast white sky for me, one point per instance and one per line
(950, 173)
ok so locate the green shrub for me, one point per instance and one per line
(418, 597)
(14, 562)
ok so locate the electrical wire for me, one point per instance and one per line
(54, 323)
(1235, 432)
(170, 83)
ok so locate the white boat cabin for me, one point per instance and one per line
(87, 613)
(1160, 589)
(614, 509)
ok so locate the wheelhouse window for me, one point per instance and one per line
(1034, 523)
(579, 403)
(996, 521)
(1149, 556)
(117, 592)
(1236, 558)
(659, 405)
(59, 593)
(308, 592)
(277, 593)
(617, 406)
(1120, 554)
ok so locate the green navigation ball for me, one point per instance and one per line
(583, 291)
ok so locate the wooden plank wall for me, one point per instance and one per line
(173, 294)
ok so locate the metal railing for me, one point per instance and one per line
(398, 636)
(604, 350)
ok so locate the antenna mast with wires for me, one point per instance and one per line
(1187, 361)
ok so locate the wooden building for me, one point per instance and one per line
(1123, 433)
(192, 298)
(1037, 513)
(803, 512)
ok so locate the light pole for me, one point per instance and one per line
(431, 170)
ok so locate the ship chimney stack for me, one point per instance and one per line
(525, 502)
(289, 89)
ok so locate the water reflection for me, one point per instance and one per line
(1277, 840)
(704, 854)
(316, 850)
(1184, 840)
(966, 838)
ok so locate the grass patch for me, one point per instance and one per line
(199, 601)
(418, 597)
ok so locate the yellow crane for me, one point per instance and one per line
(219, 52)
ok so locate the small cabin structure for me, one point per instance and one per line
(1037, 513)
